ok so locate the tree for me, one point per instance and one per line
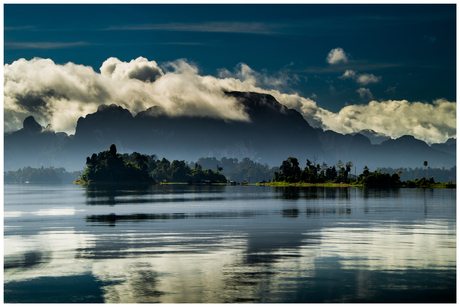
(331, 173)
(113, 150)
(348, 167)
(339, 164)
(109, 167)
(425, 163)
(290, 170)
(365, 170)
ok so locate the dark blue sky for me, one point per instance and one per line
(407, 51)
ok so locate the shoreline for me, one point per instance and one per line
(442, 185)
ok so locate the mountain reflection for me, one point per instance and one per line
(26, 260)
(311, 192)
(116, 195)
(292, 213)
(250, 244)
(112, 218)
(113, 195)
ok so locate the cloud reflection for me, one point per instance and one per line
(293, 245)
(56, 211)
(50, 253)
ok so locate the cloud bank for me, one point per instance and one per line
(59, 94)
(432, 123)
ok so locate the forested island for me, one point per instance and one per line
(291, 173)
(40, 175)
(110, 167)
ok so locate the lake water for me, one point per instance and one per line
(228, 244)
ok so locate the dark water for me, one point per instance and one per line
(227, 244)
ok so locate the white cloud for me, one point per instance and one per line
(60, 94)
(365, 79)
(432, 123)
(140, 68)
(348, 74)
(281, 81)
(336, 56)
(364, 93)
(362, 79)
(56, 94)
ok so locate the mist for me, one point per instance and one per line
(58, 94)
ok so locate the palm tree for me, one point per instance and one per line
(425, 164)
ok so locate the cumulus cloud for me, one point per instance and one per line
(365, 79)
(56, 94)
(337, 56)
(364, 93)
(140, 68)
(281, 81)
(60, 94)
(348, 74)
(362, 79)
(432, 123)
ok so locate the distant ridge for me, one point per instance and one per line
(374, 137)
(273, 134)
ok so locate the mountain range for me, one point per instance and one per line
(273, 133)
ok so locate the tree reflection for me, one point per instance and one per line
(288, 192)
(292, 213)
(115, 195)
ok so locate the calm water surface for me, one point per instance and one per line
(227, 244)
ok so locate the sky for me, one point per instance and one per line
(346, 67)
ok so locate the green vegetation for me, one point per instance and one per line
(378, 179)
(108, 167)
(176, 171)
(290, 173)
(40, 175)
(238, 171)
(440, 174)
(111, 167)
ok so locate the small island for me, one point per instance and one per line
(111, 168)
(290, 174)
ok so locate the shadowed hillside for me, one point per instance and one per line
(273, 133)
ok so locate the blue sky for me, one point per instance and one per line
(376, 52)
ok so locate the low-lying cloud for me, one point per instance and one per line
(59, 94)
(432, 123)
